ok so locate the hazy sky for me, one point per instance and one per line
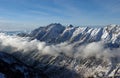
(29, 14)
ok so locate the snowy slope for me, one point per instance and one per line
(10, 67)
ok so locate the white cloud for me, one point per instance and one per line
(24, 45)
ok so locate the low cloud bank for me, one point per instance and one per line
(14, 43)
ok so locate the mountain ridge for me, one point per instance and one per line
(56, 33)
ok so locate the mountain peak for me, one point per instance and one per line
(54, 25)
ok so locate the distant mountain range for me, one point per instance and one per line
(56, 33)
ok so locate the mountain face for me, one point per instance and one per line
(56, 33)
(49, 33)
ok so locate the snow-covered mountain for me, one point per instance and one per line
(57, 33)
(66, 51)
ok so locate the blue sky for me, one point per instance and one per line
(29, 14)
